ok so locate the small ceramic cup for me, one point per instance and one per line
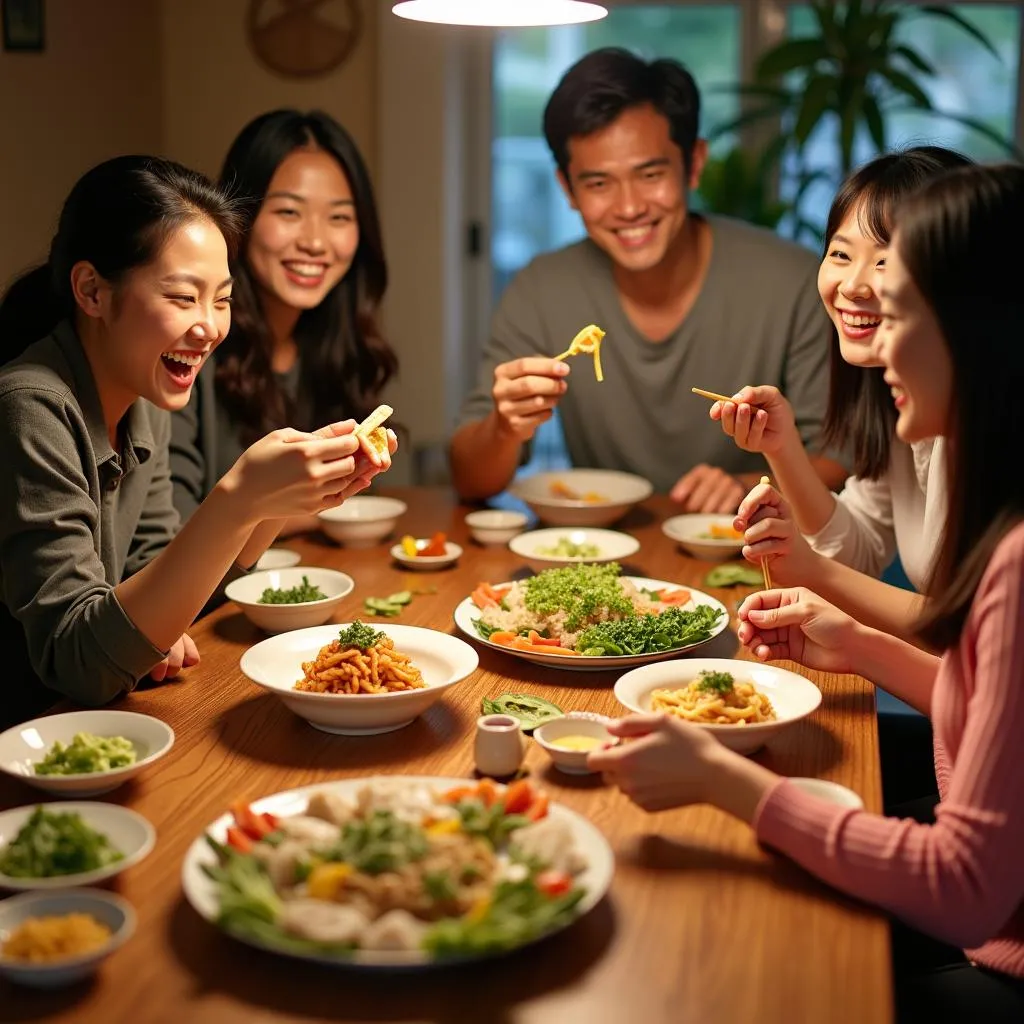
(499, 745)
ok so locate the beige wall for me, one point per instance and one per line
(93, 93)
(213, 83)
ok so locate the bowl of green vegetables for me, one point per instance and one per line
(279, 600)
(83, 753)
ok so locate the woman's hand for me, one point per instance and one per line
(758, 419)
(183, 654)
(769, 531)
(797, 625)
(668, 763)
(365, 469)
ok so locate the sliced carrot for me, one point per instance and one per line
(487, 792)
(539, 808)
(238, 840)
(438, 545)
(520, 643)
(503, 637)
(543, 641)
(679, 596)
(500, 593)
(518, 796)
(482, 599)
(453, 796)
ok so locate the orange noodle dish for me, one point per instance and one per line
(361, 660)
(589, 610)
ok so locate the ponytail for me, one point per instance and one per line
(29, 310)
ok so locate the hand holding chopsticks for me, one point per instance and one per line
(764, 560)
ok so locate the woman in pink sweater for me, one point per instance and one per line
(953, 308)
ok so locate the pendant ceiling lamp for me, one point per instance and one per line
(501, 13)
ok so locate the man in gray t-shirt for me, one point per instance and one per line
(684, 300)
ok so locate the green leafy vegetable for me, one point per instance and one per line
(568, 548)
(360, 635)
(518, 913)
(87, 753)
(650, 633)
(490, 823)
(379, 843)
(733, 573)
(394, 603)
(715, 682)
(438, 885)
(51, 844)
(529, 710)
(305, 591)
(578, 590)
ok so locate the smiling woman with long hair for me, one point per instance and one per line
(305, 345)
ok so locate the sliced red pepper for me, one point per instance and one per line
(518, 796)
(238, 840)
(554, 883)
(539, 808)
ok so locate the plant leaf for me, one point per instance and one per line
(750, 117)
(905, 84)
(875, 122)
(981, 128)
(792, 55)
(915, 59)
(951, 14)
(817, 99)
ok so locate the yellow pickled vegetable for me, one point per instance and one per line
(409, 546)
(326, 880)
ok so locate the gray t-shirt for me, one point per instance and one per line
(77, 517)
(757, 320)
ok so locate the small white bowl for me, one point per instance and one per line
(276, 665)
(127, 831)
(278, 618)
(23, 746)
(278, 558)
(495, 525)
(451, 555)
(362, 521)
(688, 532)
(575, 723)
(611, 546)
(830, 791)
(106, 907)
(612, 494)
(793, 696)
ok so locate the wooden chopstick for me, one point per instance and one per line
(712, 395)
(764, 558)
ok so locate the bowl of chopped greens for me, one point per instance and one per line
(57, 846)
(83, 753)
(278, 600)
(548, 549)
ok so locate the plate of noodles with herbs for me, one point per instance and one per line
(590, 617)
(397, 871)
(355, 680)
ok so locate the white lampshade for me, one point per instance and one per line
(501, 13)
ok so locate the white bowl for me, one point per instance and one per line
(106, 907)
(425, 562)
(127, 831)
(830, 791)
(617, 493)
(276, 665)
(495, 525)
(611, 546)
(688, 532)
(278, 558)
(575, 723)
(793, 696)
(277, 618)
(362, 521)
(25, 745)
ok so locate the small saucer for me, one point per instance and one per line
(451, 555)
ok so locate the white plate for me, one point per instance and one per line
(25, 745)
(278, 558)
(618, 493)
(200, 891)
(278, 618)
(687, 530)
(611, 545)
(276, 665)
(793, 696)
(127, 831)
(451, 555)
(106, 907)
(466, 613)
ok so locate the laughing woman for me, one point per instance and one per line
(100, 343)
(952, 311)
(305, 346)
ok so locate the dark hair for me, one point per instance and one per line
(604, 83)
(860, 413)
(346, 361)
(117, 217)
(956, 238)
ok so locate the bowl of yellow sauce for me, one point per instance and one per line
(569, 739)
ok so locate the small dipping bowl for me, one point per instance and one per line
(495, 526)
(576, 723)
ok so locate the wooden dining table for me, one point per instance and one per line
(700, 924)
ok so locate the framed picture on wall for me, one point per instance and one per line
(23, 25)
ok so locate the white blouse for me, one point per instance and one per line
(902, 512)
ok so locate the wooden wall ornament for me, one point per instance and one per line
(303, 38)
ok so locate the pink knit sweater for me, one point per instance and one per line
(961, 879)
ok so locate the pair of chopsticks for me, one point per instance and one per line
(715, 397)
